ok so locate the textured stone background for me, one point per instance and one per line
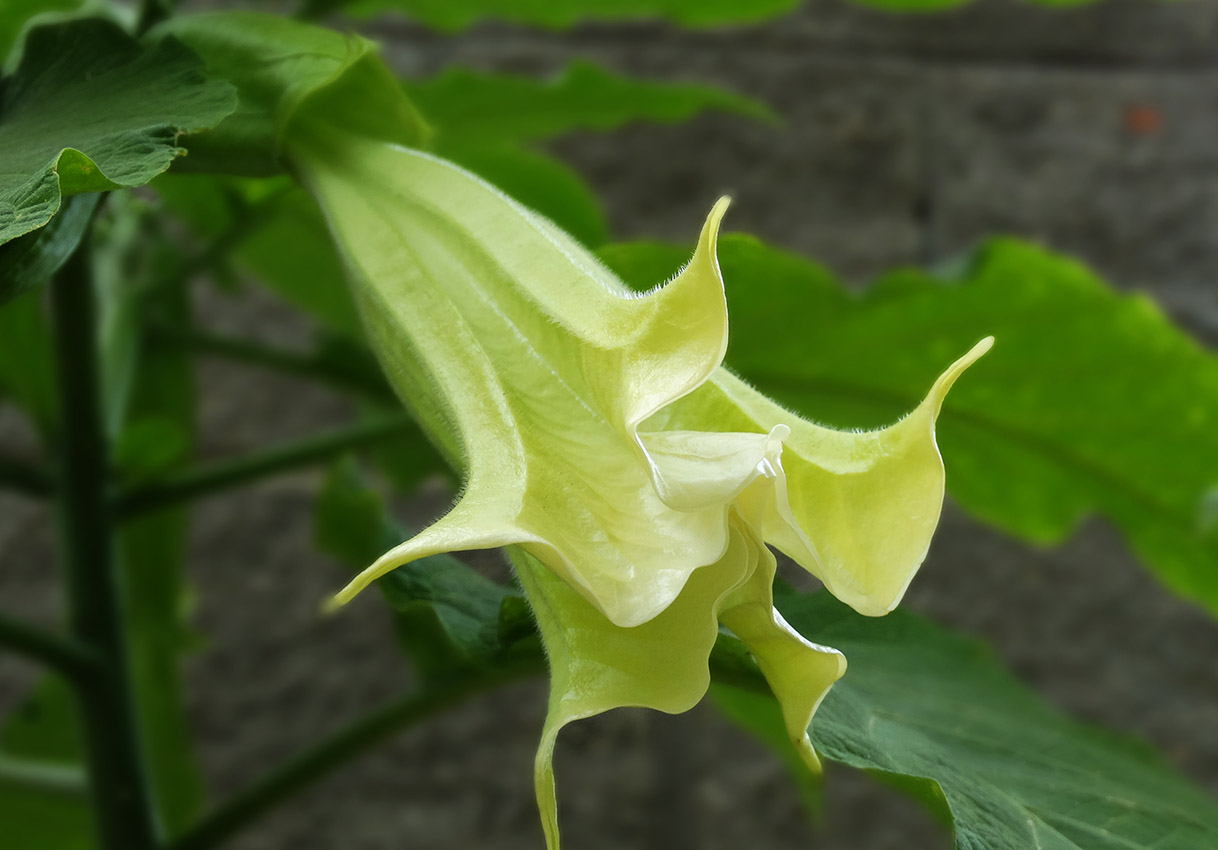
(906, 138)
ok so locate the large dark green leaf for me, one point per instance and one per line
(89, 109)
(30, 260)
(458, 14)
(44, 801)
(466, 106)
(920, 702)
(1091, 401)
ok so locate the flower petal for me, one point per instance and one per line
(799, 672)
(857, 509)
(596, 665)
(499, 329)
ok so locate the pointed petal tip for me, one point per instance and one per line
(954, 371)
(382, 565)
(981, 348)
(710, 229)
(970, 357)
(809, 756)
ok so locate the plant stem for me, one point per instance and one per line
(68, 780)
(342, 746)
(64, 655)
(369, 383)
(25, 478)
(116, 778)
(243, 470)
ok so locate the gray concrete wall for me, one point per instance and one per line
(906, 138)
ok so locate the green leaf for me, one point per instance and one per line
(89, 109)
(43, 796)
(468, 107)
(448, 616)
(458, 14)
(920, 702)
(30, 260)
(1091, 401)
(280, 67)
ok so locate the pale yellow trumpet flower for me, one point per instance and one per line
(636, 481)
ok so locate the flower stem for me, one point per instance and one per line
(116, 778)
(342, 746)
(225, 475)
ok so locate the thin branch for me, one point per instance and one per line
(64, 779)
(341, 747)
(74, 660)
(316, 367)
(19, 476)
(226, 475)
